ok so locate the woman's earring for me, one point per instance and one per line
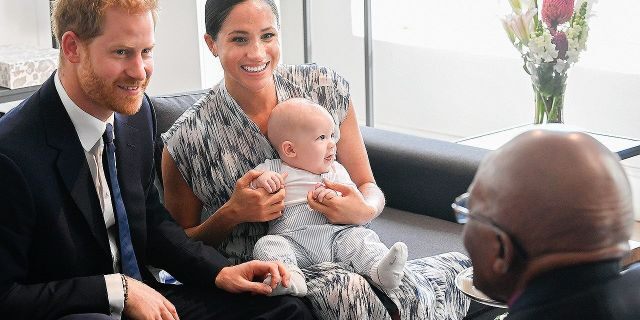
(215, 55)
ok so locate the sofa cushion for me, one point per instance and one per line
(425, 236)
(418, 174)
(170, 107)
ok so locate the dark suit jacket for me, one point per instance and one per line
(594, 291)
(53, 241)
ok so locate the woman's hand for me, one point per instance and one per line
(270, 181)
(254, 205)
(349, 208)
(322, 193)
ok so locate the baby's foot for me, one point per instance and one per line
(388, 272)
(297, 285)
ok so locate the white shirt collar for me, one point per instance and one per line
(88, 127)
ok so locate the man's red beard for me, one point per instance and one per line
(106, 94)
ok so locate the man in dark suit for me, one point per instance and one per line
(549, 219)
(79, 222)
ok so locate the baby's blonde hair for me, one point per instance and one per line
(290, 116)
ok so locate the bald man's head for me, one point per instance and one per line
(558, 194)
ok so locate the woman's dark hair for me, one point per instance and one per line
(217, 11)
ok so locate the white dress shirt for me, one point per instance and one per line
(90, 130)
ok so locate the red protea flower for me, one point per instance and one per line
(555, 12)
(562, 44)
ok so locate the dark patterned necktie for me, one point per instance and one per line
(128, 259)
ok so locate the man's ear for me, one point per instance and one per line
(211, 43)
(288, 149)
(70, 46)
(505, 253)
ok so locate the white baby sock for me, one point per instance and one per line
(297, 285)
(388, 272)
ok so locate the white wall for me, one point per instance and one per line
(292, 32)
(182, 61)
(25, 22)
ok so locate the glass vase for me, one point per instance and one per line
(548, 89)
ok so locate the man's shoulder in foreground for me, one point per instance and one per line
(616, 298)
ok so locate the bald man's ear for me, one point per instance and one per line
(70, 46)
(505, 254)
(288, 149)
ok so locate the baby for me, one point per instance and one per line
(303, 134)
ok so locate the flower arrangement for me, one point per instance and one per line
(550, 41)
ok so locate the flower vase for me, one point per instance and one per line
(548, 89)
(548, 108)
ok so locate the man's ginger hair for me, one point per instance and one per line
(85, 17)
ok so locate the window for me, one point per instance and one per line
(474, 26)
(446, 69)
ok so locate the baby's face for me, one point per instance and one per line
(315, 146)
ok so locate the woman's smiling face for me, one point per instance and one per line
(248, 47)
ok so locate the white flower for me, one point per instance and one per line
(572, 56)
(536, 46)
(521, 25)
(541, 49)
(577, 40)
(509, 30)
(519, 5)
(516, 6)
(560, 66)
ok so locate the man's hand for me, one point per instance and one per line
(239, 278)
(146, 303)
(270, 181)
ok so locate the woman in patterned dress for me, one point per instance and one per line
(213, 146)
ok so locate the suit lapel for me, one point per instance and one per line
(72, 163)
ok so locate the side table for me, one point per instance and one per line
(624, 147)
(9, 98)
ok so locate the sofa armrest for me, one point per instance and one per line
(420, 175)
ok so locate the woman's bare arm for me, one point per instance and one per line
(245, 205)
(185, 207)
(352, 208)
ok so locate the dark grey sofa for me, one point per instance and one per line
(420, 178)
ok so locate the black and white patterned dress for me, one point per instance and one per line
(214, 143)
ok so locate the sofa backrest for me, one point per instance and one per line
(170, 107)
(167, 110)
(420, 175)
(416, 174)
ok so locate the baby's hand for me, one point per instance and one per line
(270, 181)
(321, 193)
